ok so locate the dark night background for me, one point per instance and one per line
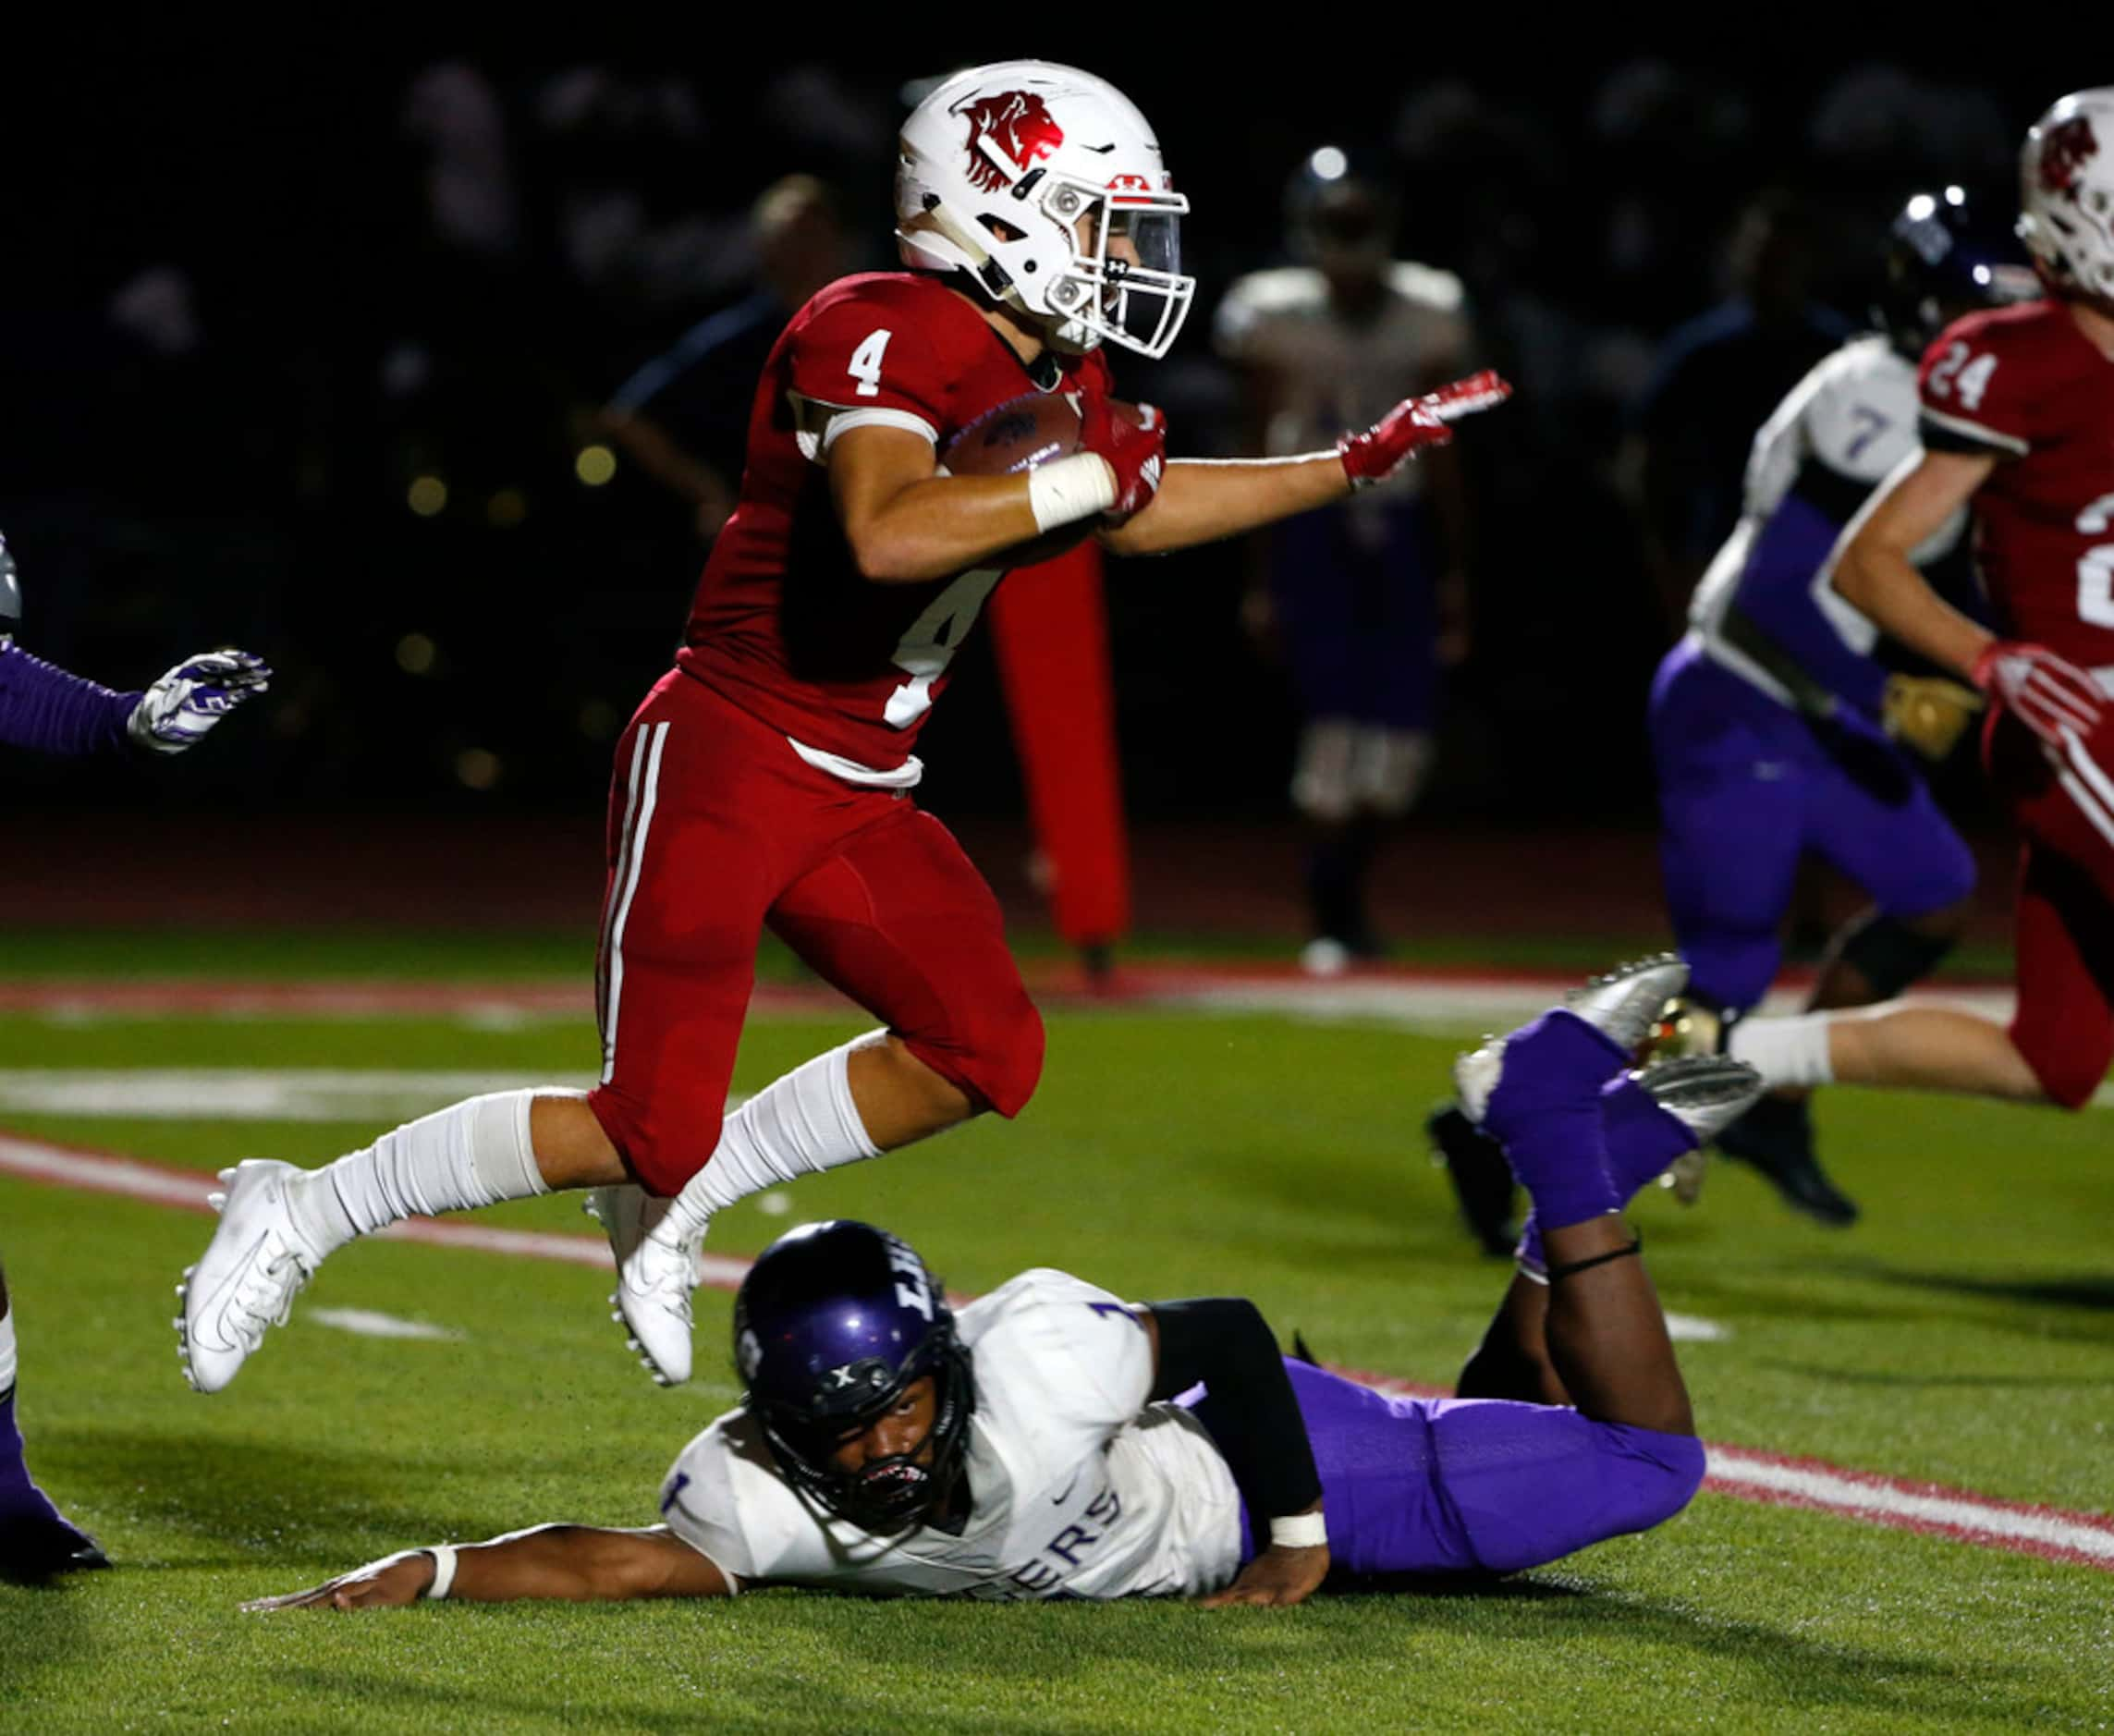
(233, 331)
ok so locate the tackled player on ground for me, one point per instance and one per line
(1059, 1442)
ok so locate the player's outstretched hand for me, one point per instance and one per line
(385, 1584)
(178, 709)
(2049, 695)
(1415, 423)
(1928, 712)
(1278, 1578)
(1135, 452)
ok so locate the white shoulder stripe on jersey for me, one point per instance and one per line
(845, 421)
(818, 424)
(1976, 431)
(651, 739)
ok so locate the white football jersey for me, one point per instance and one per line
(1079, 1486)
(1330, 374)
(1850, 421)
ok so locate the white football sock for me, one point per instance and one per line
(1785, 1051)
(796, 1126)
(476, 1153)
(6, 1352)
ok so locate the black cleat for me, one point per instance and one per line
(36, 1549)
(1776, 1138)
(1482, 1179)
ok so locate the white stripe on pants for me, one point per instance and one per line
(631, 858)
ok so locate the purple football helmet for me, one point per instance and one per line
(832, 1322)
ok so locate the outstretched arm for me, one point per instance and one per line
(43, 708)
(572, 1563)
(1202, 500)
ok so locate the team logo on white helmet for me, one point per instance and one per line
(1046, 185)
(2066, 192)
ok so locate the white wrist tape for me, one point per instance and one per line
(1069, 490)
(1299, 1531)
(444, 1572)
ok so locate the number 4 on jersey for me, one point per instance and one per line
(929, 646)
(866, 362)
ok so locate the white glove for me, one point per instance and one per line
(178, 710)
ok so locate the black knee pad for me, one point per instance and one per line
(1890, 954)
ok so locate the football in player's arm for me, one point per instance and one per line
(765, 779)
(1059, 1442)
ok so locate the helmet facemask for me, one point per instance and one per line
(894, 1491)
(1125, 282)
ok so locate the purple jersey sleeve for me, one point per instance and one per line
(45, 708)
(1776, 593)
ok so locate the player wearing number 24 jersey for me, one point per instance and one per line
(765, 783)
(2018, 422)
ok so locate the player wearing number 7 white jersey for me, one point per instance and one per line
(2017, 419)
(765, 781)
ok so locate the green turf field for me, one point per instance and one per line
(1965, 1334)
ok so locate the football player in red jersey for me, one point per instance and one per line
(2017, 424)
(765, 781)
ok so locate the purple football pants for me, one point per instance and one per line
(1746, 787)
(1476, 1485)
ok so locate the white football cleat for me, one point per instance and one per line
(656, 1275)
(1624, 1006)
(247, 1280)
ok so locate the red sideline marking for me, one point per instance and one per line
(1745, 1474)
(1054, 979)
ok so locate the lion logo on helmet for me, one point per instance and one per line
(2068, 146)
(1015, 124)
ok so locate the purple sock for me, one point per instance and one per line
(20, 1498)
(1641, 1140)
(45, 708)
(1545, 1112)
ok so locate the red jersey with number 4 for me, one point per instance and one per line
(784, 624)
(2024, 385)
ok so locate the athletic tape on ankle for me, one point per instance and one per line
(1069, 490)
(1299, 1531)
(444, 1572)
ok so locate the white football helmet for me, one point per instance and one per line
(2066, 191)
(1022, 174)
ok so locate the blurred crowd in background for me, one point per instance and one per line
(325, 366)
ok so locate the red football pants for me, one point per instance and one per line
(2064, 803)
(1049, 625)
(717, 830)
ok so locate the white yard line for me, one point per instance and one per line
(367, 1322)
(246, 1094)
(1742, 1473)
